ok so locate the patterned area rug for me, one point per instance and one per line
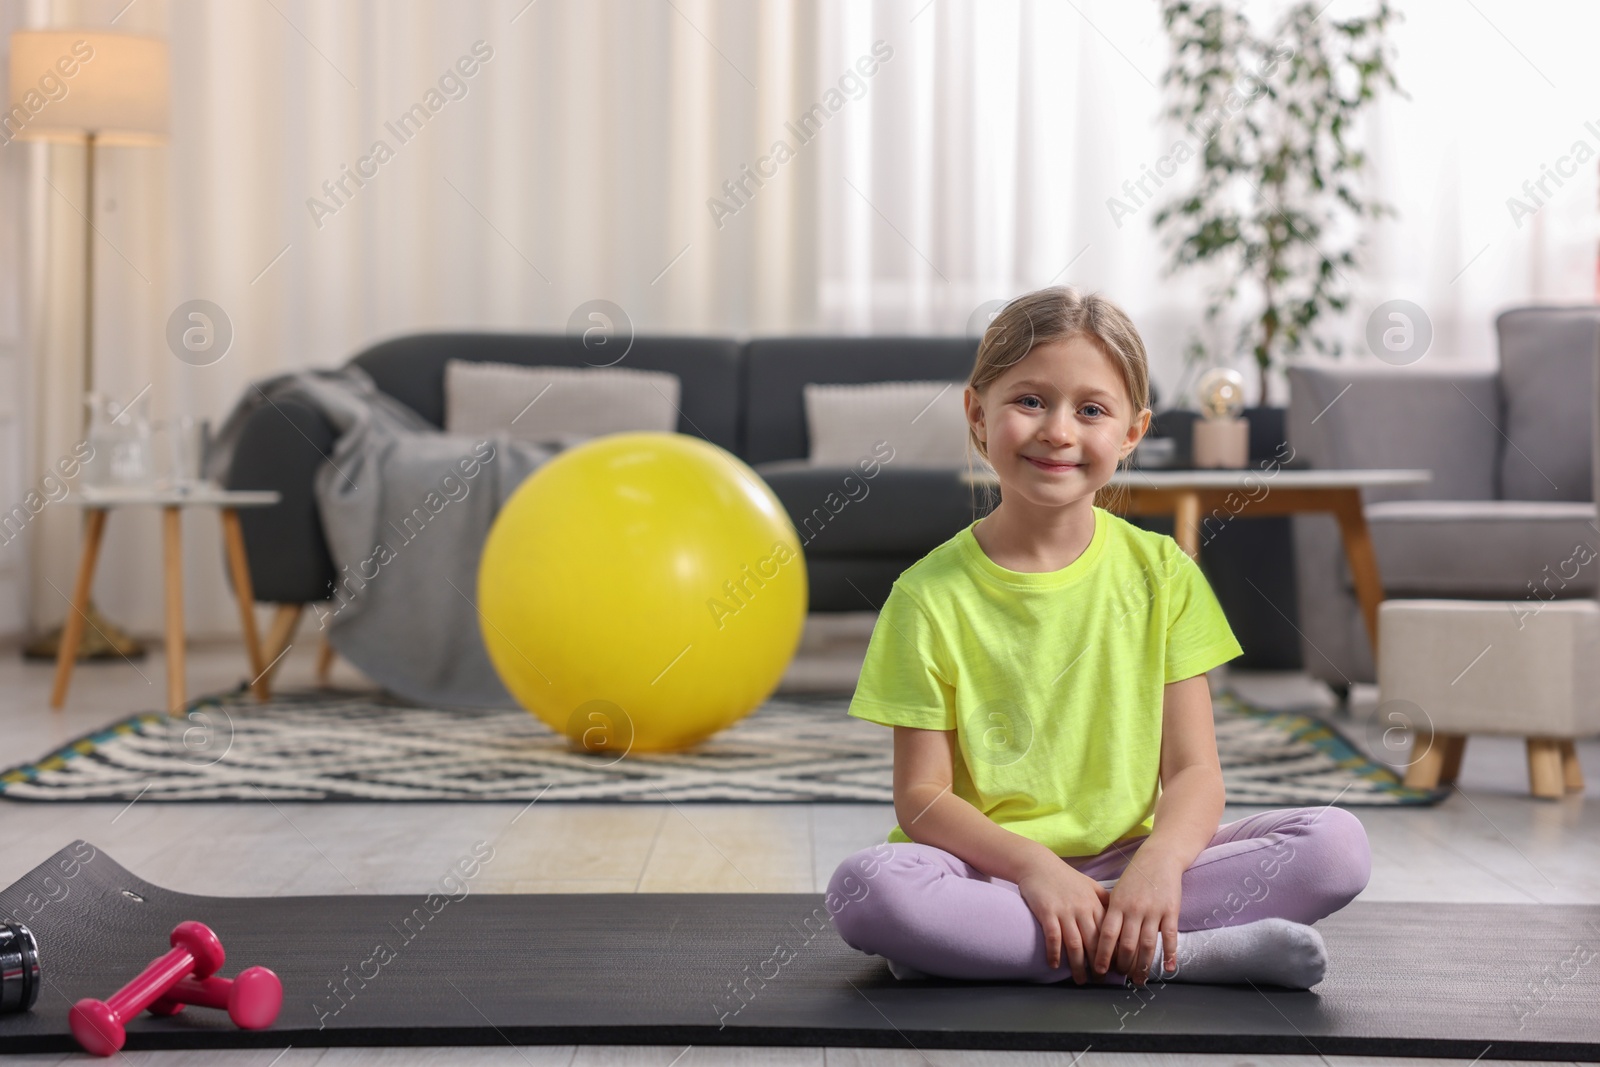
(363, 746)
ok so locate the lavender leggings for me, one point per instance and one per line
(926, 908)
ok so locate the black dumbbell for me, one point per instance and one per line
(19, 968)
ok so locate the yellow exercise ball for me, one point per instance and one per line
(641, 591)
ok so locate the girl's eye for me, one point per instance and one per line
(1095, 407)
(1027, 398)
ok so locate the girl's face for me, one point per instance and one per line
(1057, 421)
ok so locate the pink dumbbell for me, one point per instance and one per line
(99, 1024)
(251, 1000)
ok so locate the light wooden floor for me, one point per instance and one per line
(1488, 842)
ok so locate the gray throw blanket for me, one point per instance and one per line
(405, 510)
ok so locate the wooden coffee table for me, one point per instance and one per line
(1196, 498)
(97, 502)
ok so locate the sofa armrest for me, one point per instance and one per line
(1445, 420)
(280, 447)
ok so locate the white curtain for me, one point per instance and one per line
(625, 150)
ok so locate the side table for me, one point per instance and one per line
(99, 501)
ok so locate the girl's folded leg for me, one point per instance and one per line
(931, 911)
(1251, 894)
(1300, 864)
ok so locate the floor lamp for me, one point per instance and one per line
(98, 90)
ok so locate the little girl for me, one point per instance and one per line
(1056, 778)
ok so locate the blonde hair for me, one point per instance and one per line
(1056, 314)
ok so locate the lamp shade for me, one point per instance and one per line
(68, 84)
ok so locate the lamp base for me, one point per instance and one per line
(1221, 443)
(102, 639)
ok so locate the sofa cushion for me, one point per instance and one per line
(1547, 377)
(924, 422)
(1491, 549)
(847, 511)
(777, 369)
(546, 403)
(410, 368)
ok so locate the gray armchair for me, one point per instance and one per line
(1510, 512)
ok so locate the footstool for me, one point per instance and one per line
(1527, 668)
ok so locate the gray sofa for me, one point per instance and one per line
(858, 535)
(1510, 512)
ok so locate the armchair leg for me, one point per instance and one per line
(1454, 746)
(1427, 769)
(1571, 769)
(280, 638)
(1544, 768)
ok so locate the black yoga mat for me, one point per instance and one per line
(1460, 980)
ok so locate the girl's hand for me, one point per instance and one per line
(1144, 903)
(1069, 906)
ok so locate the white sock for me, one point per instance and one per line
(1270, 951)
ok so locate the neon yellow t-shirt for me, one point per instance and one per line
(1053, 681)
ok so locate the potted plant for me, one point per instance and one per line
(1278, 207)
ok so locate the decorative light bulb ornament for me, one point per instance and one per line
(1222, 438)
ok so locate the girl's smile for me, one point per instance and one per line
(1058, 468)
